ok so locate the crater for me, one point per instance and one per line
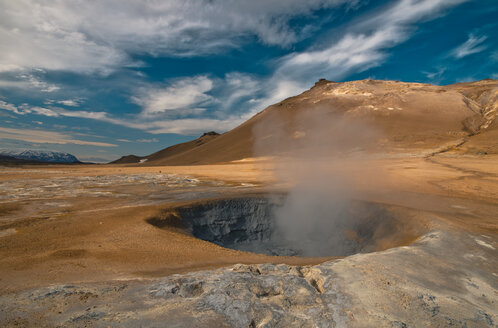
(256, 224)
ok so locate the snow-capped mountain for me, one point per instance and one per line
(48, 156)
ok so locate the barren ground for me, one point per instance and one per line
(87, 223)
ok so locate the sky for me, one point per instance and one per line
(102, 79)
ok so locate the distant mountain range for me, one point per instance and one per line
(36, 156)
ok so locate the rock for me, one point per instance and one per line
(351, 292)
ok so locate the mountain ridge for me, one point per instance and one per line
(409, 116)
(38, 156)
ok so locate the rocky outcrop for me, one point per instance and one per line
(444, 280)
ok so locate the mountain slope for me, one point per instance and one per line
(389, 116)
(168, 152)
(127, 159)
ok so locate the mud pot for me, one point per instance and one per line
(253, 224)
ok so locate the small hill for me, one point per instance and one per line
(165, 155)
(128, 159)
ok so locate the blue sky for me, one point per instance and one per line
(115, 77)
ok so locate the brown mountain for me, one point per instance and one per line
(390, 116)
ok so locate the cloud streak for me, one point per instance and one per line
(473, 45)
(50, 137)
(187, 126)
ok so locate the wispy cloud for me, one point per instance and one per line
(9, 107)
(181, 97)
(31, 79)
(148, 140)
(237, 86)
(50, 137)
(435, 76)
(181, 126)
(69, 102)
(38, 83)
(473, 45)
(25, 109)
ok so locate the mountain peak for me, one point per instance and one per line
(210, 133)
(322, 82)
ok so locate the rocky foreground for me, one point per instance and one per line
(446, 279)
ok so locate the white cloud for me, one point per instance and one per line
(27, 80)
(52, 111)
(40, 111)
(98, 36)
(84, 114)
(471, 46)
(352, 52)
(237, 86)
(42, 136)
(9, 107)
(148, 140)
(47, 35)
(69, 102)
(36, 82)
(436, 75)
(183, 96)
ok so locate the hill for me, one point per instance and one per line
(169, 152)
(394, 116)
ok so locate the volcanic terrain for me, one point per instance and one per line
(363, 204)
